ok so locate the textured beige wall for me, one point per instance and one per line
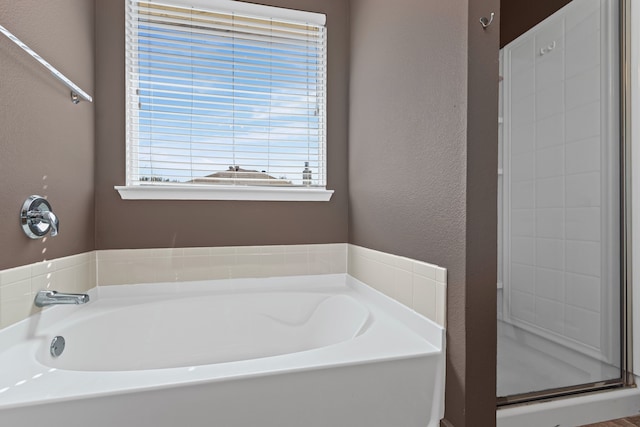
(147, 224)
(423, 166)
(46, 142)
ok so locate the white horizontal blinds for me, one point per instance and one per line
(219, 97)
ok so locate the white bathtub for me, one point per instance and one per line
(283, 352)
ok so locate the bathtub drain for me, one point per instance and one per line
(57, 346)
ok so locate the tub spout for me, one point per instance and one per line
(44, 298)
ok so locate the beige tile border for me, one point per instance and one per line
(116, 267)
(19, 285)
(418, 285)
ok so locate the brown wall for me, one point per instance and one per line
(518, 16)
(472, 327)
(421, 160)
(46, 142)
(146, 224)
(407, 129)
(423, 166)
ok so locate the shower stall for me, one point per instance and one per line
(561, 273)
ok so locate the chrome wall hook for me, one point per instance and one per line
(486, 22)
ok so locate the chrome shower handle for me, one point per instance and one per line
(37, 218)
(47, 217)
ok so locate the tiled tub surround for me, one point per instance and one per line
(416, 284)
(303, 350)
(121, 267)
(18, 286)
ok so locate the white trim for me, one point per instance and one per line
(195, 192)
(241, 7)
(635, 181)
(197, 141)
(576, 410)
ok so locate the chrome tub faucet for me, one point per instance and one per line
(44, 298)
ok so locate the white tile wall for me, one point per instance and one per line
(583, 291)
(550, 100)
(522, 250)
(586, 8)
(583, 122)
(550, 223)
(579, 89)
(523, 223)
(583, 156)
(523, 277)
(523, 109)
(550, 315)
(550, 192)
(583, 258)
(583, 189)
(583, 325)
(550, 284)
(416, 284)
(550, 253)
(583, 50)
(19, 285)
(523, 303)
(549, 132)
(523, 139)
(522, 195)
(549, 162)
(523, 167)
(556, 170)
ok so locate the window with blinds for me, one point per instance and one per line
(223, 92)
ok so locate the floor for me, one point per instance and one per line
(527, 362)
(623, 422)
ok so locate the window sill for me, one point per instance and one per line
(206, 192)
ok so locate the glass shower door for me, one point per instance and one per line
(559, 302)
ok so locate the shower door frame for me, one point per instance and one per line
(626, 351)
